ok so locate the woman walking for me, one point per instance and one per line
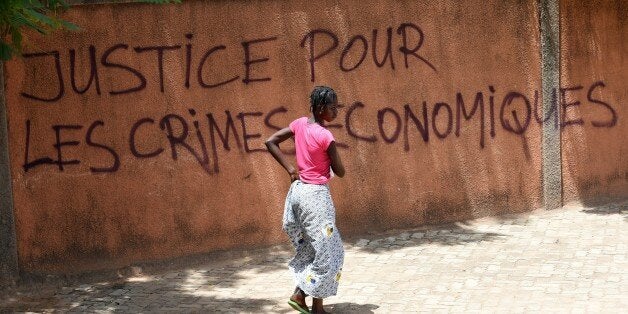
(309, 215)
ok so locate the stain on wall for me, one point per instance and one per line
(141, 136)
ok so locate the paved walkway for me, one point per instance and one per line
(571, 260)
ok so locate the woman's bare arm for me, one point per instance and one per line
(336, 163)
(272, 143)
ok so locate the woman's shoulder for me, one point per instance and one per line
(325, 132)
(322, 134)
(296, 123)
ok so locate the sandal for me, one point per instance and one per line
(303, 309)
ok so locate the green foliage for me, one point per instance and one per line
(39, 15)
(16, 15)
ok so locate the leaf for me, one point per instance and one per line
(32, 4)
(41, 18)
(18, 20)
(16, 39)
(69, 25)
(5, 51)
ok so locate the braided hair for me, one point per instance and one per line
(320, 97)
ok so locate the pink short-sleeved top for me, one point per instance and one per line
(311, 142)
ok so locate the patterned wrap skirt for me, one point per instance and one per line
(309, 219)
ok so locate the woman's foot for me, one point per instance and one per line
(317, 306)
(297, 301)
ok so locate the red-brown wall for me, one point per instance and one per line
(204, 195)
(594, 72)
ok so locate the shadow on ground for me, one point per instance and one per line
(610, 209)
(100, 301)
(192, 284)
(352, 308)
(158, 289)
(459, 233)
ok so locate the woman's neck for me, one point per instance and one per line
(313, 119)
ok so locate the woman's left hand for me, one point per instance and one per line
(294, 175)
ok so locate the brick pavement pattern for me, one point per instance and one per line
(570, 260)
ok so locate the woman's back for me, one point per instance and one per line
(311, 143)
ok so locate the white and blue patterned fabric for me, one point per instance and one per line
(309, 219)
